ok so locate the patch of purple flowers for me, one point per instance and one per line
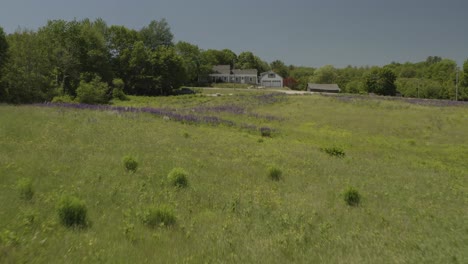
(164, 112)
(233, 109)
(249, 127)
(267, 117)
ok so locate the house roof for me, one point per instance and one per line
(268, 72)
(246, 71)
(222, 69)
(323, 87)
(226, 69)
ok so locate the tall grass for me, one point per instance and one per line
(414, 208)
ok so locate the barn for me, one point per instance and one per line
(323, 88)
(271, 79)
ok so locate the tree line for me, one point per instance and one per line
(434, 78)
(91, 62)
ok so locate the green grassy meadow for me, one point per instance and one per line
(409, 163)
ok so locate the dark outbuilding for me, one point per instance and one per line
(323, 88)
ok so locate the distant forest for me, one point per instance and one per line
(90, 61)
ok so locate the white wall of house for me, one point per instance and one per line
(220, 77)
(244, 78)
(223, 73)
(271, 79)
(234, 78)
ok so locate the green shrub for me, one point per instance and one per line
(334, 152)
(118, 91)
(178, 177)
(159, 216)
(93, 92)
(119, 94)
(275, 174)
(25, 189)
(62, 99)
(130, 163)
(265, 132)
(352, 197)
(72, 211)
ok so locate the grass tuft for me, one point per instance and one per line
(334, 152)
(159, 216)
(265, 132)
(72, 211)
(25, 189)
(178, 178)
(130, 163)
(275, 173)
(352, 197)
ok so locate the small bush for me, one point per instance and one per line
(130, 163)
(93, 92)
(159, 216)
(352, 197)
(62, 99)
(178, 177)
(119, 94)
(265, 131)
(118, 91)
(25, 189)
(334, 152)
(72, 211)
(274, 173)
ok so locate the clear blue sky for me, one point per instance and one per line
(300, 32)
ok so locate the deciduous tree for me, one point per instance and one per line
(168, 67)
(3, 48)
(64, 50)
(247, 60)
(221, 57)
(302, 75)
(381, 81)
(464, 78)
(3, 60)
(28, 73)
(155, 72)
(192, 60)
(280, 68)
(121, 42)
(325, 74)
(94, 53)
(157, 33)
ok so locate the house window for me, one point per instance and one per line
(271, 75)
(250, 79)
(225, 78)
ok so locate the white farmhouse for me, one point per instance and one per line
(223, 73)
